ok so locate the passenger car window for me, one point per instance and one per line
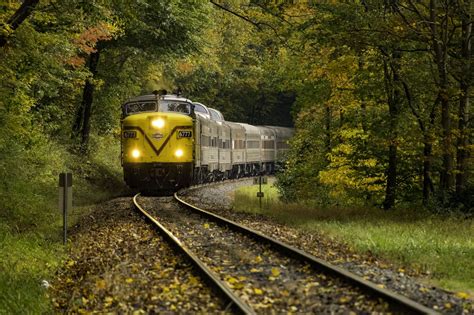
(214, 114)
(200, 109)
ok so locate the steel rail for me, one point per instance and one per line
(397, 302)
(235, 302)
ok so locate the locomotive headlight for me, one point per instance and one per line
(158, 123)
(136, 154)
(178, 153)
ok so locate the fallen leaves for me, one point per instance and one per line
(265, 279)
(275, 272)
(366, 265)
(462, 295)
(119, 265)
(257, 291)
(100, 284)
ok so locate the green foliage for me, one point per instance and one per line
(344, 74)
(235, 72)
(43, 69)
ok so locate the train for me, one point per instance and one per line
(169, 142)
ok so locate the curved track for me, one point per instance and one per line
(397, 302)
(235, 303)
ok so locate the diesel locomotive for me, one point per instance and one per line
(169, 142)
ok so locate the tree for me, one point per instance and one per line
(25, 9)
(159, 29)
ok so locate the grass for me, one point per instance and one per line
(26, 260)
(31, 224)
(443, 246)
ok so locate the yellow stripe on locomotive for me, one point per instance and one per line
(157, 137)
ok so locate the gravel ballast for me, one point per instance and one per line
(260, 275)
(218, 198)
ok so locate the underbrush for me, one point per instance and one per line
(30, 221)
(439, 245)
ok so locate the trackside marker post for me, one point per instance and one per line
(65, 199)
(260, 180)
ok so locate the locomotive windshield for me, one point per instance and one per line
(139, 107)
(151, 106)
(175, 106)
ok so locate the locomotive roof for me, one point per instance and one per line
(152, 97)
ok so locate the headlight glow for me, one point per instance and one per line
(179, 153)
(136, 153)
(158, 123)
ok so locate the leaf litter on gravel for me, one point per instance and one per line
(119, 264)
(251, 268)
(407, 281)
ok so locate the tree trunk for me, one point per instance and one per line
(465, 85)
(76, 127)
(327, 127)
(363, 105)
(87, 99)
(427, 162)
(439, 43)
(394, 102)
(16, 19)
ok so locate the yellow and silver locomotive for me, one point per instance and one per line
(157, 142)
(169, 142)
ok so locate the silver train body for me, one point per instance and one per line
(169, 142)
(225, 149)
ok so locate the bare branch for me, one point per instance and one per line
(257, 25)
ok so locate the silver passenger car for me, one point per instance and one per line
(206, 145)
(253, 157)
(268, 148)
(282, 134)
(224, 144)
(238, 159)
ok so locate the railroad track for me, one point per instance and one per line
(256, 273)
(234, 302)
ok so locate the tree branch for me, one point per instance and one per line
(257, 25)
(18, 17)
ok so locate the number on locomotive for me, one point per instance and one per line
(185, 134)
(129, 134)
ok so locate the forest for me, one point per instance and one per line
(378, 91)
(379, 94)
